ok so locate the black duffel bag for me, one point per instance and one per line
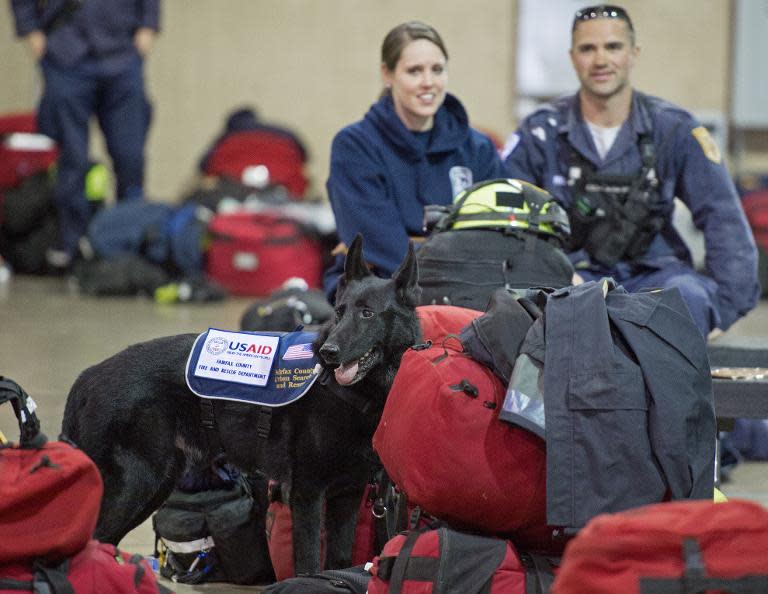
(464, 267)
(502, 233)
(214, 535)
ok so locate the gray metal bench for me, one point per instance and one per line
(740, 399)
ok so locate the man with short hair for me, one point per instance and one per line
(616, 158)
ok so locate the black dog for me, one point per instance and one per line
(137, 419)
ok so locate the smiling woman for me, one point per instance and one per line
(413, 148)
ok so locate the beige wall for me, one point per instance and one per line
(312, 65)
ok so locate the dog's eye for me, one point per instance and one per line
(339, 312)
(367, 314)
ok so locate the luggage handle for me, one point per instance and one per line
(299, 230)
(24, 409)
(298, 234)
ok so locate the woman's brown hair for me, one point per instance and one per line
(402, 35)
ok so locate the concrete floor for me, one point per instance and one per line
(48, 334)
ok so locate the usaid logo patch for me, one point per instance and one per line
(461, 179)
(237, 357)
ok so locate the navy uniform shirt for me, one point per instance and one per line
(689, 166)
(101, 29)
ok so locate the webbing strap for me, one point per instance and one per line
(695, 580)
(52, 579)
(419, 569)
(539, 573)
(10, 584)
(208, 420)
(749, 584)
(263, 424)
(402, 562)
(140, 571)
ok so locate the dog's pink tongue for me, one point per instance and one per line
(346, 373)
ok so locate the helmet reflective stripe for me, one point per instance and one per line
(508, 204)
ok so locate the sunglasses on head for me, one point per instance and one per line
(602, 11)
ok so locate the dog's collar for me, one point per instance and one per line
(357, 401)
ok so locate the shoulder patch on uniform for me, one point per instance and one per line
(707, 143)
(539, 133)
(512, 141)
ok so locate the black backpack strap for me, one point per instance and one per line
(383, 507)
(539, 572)
(208, 420)
(21, 585)
(403, 563)
(694, 579)
(29, 424)
(141, 572)
(52, 580)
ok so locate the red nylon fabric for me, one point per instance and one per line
(613, 551)
(47, 509)
(451, 455)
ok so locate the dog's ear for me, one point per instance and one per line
(407, 279)
(341, 284)
(355, 267)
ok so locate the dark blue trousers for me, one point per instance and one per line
(72, 96)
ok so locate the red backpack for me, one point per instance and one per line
(50, 493)
(437, 322)
(668, 548)
(442, 443)
(444, 561)
(280, 154)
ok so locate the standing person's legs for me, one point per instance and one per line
(124, 116)
(65, 110)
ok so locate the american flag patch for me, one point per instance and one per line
(299, 351)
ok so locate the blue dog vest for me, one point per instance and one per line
(267, 368)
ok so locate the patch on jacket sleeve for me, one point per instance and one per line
(461, 179)
(267, 368)
(707, 143)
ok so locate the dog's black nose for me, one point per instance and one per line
(330, 353)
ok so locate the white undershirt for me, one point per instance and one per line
(603, 137)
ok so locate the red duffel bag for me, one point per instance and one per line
(441, 442)
(254, 254)
(668, 548)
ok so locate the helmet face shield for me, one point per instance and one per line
(509, 204)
